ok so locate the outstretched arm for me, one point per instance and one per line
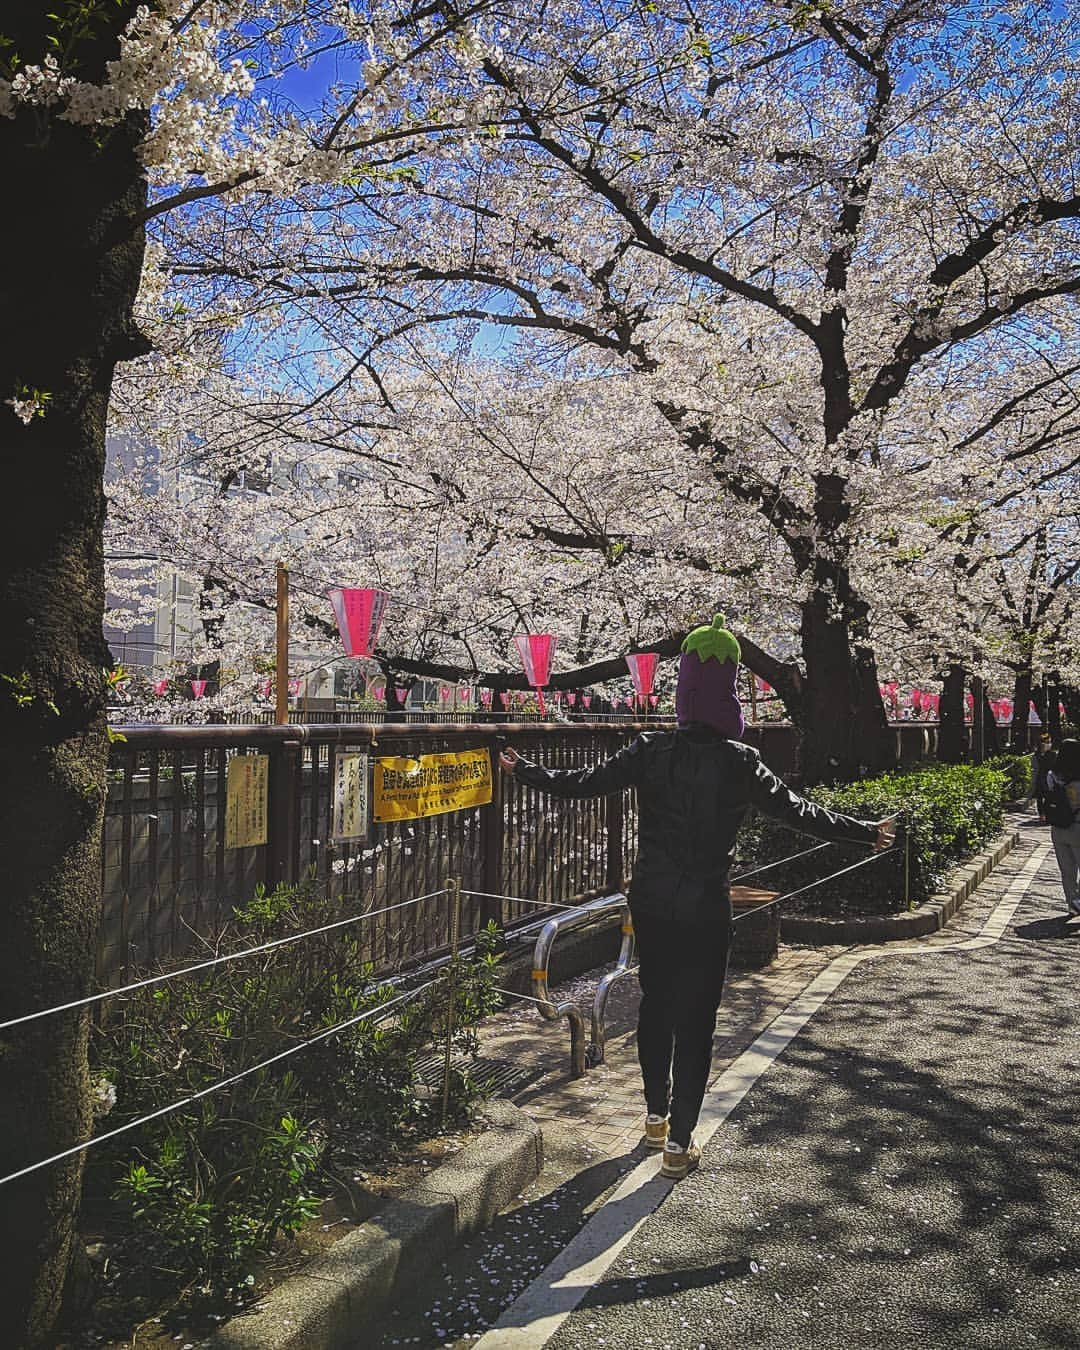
(773, 796)
(610, 775)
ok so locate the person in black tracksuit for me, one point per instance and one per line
(694, 787)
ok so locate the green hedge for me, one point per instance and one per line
(1017, 771)
(947, 812)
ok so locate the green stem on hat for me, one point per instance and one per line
(713, 641)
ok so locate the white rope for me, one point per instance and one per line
(765, 867)
(521, 900)
(215, 1087)
(216, 961)
(883, 853)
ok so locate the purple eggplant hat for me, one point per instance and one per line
(708, 670)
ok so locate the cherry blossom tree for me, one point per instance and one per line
(114, 115)
(777, 217)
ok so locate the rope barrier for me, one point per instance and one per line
(215, 1087)
(820, 881)
(216, 961)
(791, 858)
(520, 900)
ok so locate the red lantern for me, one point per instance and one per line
(485, 697)
(359, 612)
(654, 699)
(504, 697)
(571, 698)
(159, 687)
(198, 688)
(642, 671)
(586, 699)
(536, 651)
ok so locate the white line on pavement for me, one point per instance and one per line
(538, 1312)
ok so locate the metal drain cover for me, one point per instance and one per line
(498, 1077)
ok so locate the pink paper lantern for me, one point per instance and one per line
(654, 699)
(536, 651)
(159, 687)
(294, 686)
(571, 698)
(198, 688)
(359, 612)
(378, 690)
(401, 693)
(916, 699)
(485, 697)
(444, 693)
(642, 670)
(504, 697)
(587, 700)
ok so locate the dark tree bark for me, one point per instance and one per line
(1018, 737)
(991, 733)
(69, 270)
(952, 729)
(844, 732)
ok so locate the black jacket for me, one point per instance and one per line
(694, 788)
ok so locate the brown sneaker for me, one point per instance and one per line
(656, 1132)
(678, 1161)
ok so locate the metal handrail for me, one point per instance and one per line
(549, 1010)
(595, 1053)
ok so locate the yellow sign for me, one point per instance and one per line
(406, 789)
(246, 800)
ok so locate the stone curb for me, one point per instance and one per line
(333, 1302)
(928, 917)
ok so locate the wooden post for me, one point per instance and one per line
(615, 860)
(281, 684)
(491, 847)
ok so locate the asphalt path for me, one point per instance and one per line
(905, 1171)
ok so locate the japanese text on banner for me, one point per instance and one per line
(246, 796)
(406, 789)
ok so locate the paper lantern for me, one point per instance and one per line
(536, 651)
(642, 671)
(159, 687)
(504, 697)
(654, 699)
(587, 700)
(359, 612)
(198, 688)
(485, 697)
(571, 698)
(401, 693)
(444, 693)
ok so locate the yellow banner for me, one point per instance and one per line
(406, 789)
(246, 800)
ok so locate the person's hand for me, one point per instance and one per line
(507, 759)
(886, 834)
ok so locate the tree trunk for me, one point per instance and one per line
(952, 730)
(991, 734)
(843, 731)
(70, 271)
(1021, 699)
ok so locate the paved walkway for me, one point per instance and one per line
(894, 1160)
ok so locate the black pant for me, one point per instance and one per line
(681, 969)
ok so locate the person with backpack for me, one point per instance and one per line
(694, 786)
(1042, 761)
(1062, 809)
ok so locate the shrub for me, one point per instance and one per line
(946, 812)
(217, 1181)
(1017, 771)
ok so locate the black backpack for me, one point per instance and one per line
(1057, 809)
